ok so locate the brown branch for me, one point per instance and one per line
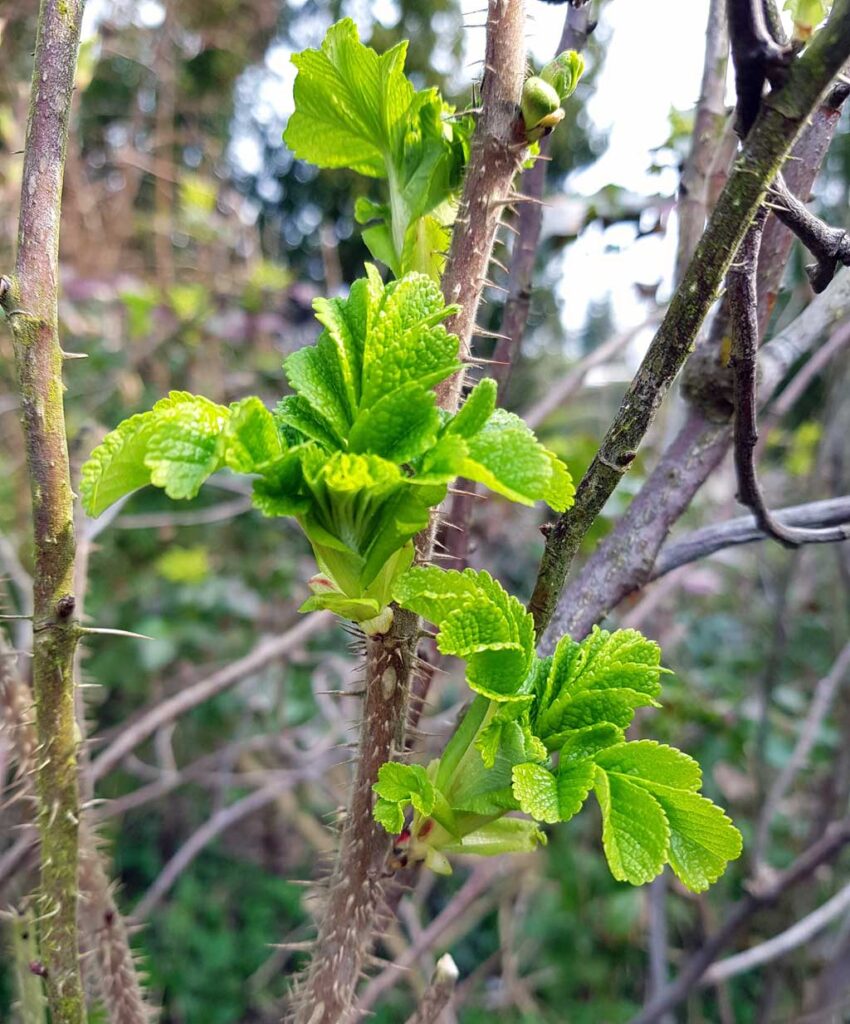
(822, 699)
(782, 116)
(30, 300)
(438, 994)
(829, 246)
(828, 846)
(745, 530)
(169, 710)
(577, 27)
(743, 308)
(479, 882)
(709, 120)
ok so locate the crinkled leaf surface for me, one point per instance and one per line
(602, 679)
(176, 445)
(506, 457)
(479, 622)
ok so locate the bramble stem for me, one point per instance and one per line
(30, 301)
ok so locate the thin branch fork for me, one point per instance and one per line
(745, 530)
(830, 246)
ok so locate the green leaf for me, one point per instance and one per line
(479, 622)
(351, 105)
(564, 72)
(635, 833)
(602, 679)
(652, 762)
(354, 108)
(400, 786)
(702, 838)
(643, 784)
(398, 426)
(389, 815)
(506, 457)
(407, 341)
(251, 438)
(505, 835)
(584, 743)
(476, 410)
(176, 445)
(552, 797)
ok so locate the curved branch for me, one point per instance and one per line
(168, 710)
(745, 530)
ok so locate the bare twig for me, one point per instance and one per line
(577, 26)
(822, 699)
(624, 560)
(171, 709)
(743, 308)
(830, 246)
(745, 530)
(478, 883)
(563, 389)
(792, 938)
(710, 117)
(827, 847)
(220, 822)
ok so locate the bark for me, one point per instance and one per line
(623, 561)
(30, 300)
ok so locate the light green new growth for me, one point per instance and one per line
(575, 704)
(544, 94)
(807, 15)
(356, 109)
(358, 454)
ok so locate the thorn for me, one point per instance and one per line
(94, 630)
(73, 355)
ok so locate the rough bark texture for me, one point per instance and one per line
(783, 115)
(356, 889)
(498, 148)
(30, 301)
(354, 896)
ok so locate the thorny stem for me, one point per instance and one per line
(356, 888)
(782, 116)
(30, 301)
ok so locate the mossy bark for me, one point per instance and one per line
(30, 301)
(782, 117)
